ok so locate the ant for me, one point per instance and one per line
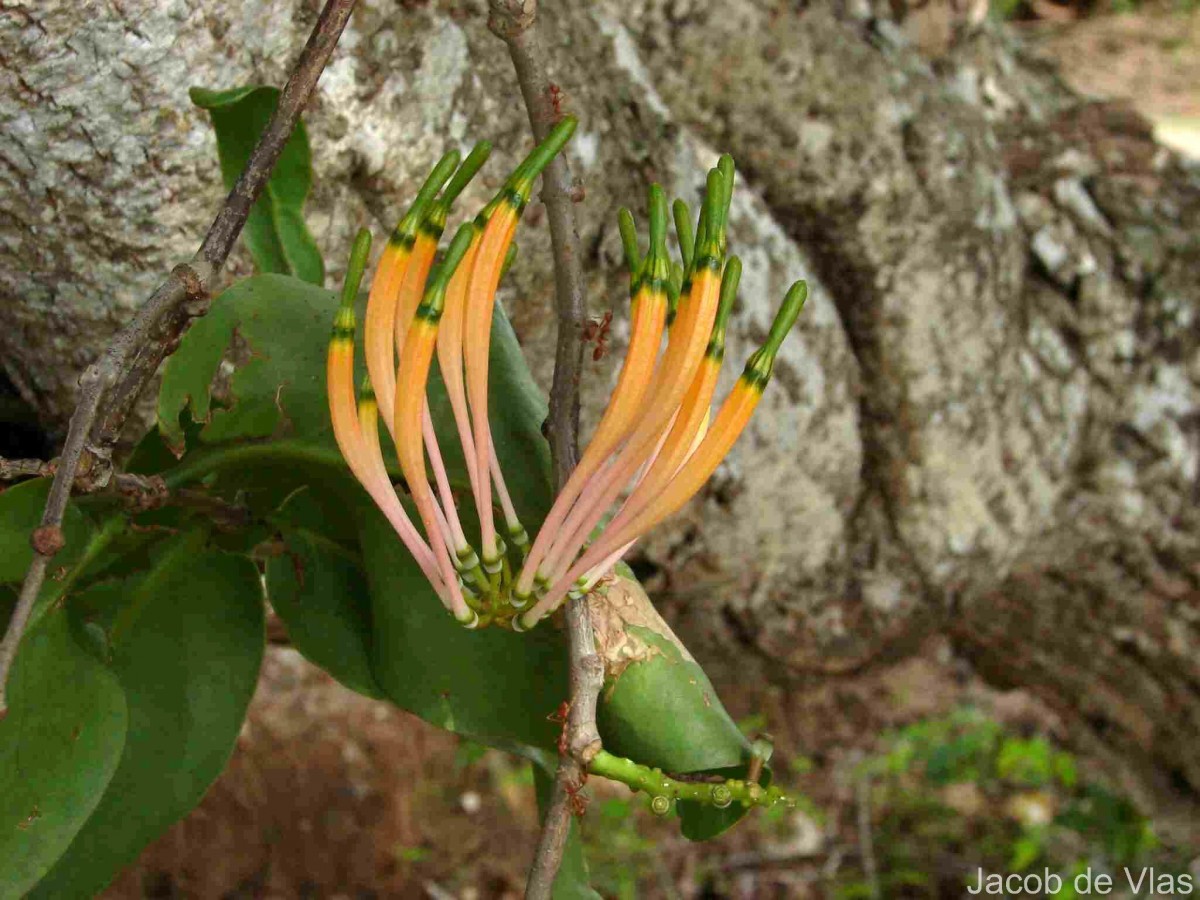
(596, 331)
(556, 99)
(574, 792)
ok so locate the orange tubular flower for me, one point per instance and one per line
(450, 360)
(730, 422)
(357, 434)
(685, 348)
(411, 287)
(502, 215)
(648, 312)
(654, 440)
(410, 405)
(380, 325)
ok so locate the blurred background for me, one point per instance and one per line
(953, 569)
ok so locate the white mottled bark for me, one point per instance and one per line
(987, 423)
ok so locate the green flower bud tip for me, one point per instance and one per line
(710, 229)
(722, 796)
(357, 265)
(658, 221)
(758, 367)
(786, 317)
(522, 179)
(468, 170)
(629, 241)
(435, 219)
(660, 805)
(683, 232)
(416, 213)
(725, 166)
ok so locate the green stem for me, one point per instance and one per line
(113, 526)
(665, 790)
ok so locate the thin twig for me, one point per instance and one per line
(515, 22)
(12, 469)
(866, 840)
(109, 387)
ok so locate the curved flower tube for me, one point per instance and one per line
(410, 405)
(356, 429)
(502, 216)
(648, 312)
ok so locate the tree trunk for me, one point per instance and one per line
(987, 424)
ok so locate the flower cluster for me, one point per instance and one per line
(655, 446)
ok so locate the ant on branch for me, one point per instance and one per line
(556, 99)
(574, 792)
(596, 331)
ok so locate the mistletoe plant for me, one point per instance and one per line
(144, 645)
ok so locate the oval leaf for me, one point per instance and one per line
(187, 658)
(59, 746)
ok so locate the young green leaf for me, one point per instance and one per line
(275, 231)
(658, 707)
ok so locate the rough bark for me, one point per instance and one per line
(987, 423)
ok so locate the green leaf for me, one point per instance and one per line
(491, 685)
(318, 588)
(59, 746)
(662, 711)
(187, 658)
(275, 231)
